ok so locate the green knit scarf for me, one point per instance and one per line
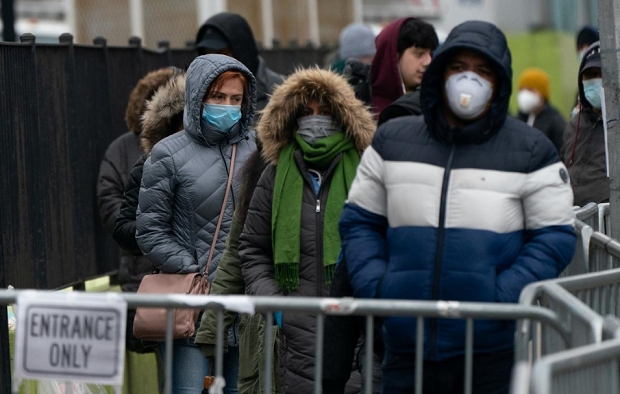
(287, 202)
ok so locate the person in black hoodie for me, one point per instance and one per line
(230, 34)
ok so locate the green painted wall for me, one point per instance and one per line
(553, 52)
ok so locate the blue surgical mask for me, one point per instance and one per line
(592, 91)
(221, 117)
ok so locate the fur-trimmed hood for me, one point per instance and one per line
(164, 112)
(141, 93)
(278, 121)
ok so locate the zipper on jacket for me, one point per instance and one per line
(439, 251)
(234, 330)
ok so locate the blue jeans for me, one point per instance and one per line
(490, 374)
(189, 367)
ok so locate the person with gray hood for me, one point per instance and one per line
(230, 34)
(183, 186)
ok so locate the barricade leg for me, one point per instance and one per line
(419, 355)
(318, 371)
(168, 353)
(369, 354)
(268, 351)
(469, 351)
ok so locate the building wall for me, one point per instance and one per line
(109, 19)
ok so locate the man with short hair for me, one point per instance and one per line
(404, 50)
(230, 34)
(462, 204)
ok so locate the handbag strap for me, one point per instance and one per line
(219, 220)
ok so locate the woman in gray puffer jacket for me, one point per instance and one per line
(183, 186)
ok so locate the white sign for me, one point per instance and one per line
(70, 337)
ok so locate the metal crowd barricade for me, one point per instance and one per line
(583, 324)
(589, 214)
(604, 221)
(325, 306)
(580, 262)
(587, 369)
(600, 291)
(604, 253)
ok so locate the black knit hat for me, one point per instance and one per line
(587, 36)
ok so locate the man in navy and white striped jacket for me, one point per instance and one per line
(464, 203)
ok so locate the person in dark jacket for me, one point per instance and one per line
(116, 166)
(163, 117)
(230, 34)
(464, 203)
(584, 137)
(409, 104)
(534, 106)
(404, 50)
(183, 186)
(312, 132)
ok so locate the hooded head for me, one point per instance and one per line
(395, 41)
(590, 64)
(488, 41)
(230, 31)
(202, 72)
(164, 112)
(278, 123)
(357, 41)
(141, 93)
(587, 36)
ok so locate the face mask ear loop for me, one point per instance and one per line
(572, 155)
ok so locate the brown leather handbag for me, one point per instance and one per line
(150, 323)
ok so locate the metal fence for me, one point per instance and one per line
(325, 306)
(592, 362)
(62, 105)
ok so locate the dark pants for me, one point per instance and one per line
(491, 374)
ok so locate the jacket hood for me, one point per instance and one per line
(591, 58)
(408, 104)
(277, 124)
(238, 33)
(167, 104)
(141, 93)
(387, 84)
(487, 39)
(200, 74)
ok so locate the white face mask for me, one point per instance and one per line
(528, 101)
(468, 94)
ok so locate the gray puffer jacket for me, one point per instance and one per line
(184, 178)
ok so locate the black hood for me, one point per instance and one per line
(238, 33)
(488, 40)
(591, 58)
(409, 104)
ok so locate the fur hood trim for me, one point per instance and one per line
(278, 121)
(141, 93)
(167, 103)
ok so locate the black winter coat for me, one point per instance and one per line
(125, 229)
(550, 122)
(258, 270)
(113, 174)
